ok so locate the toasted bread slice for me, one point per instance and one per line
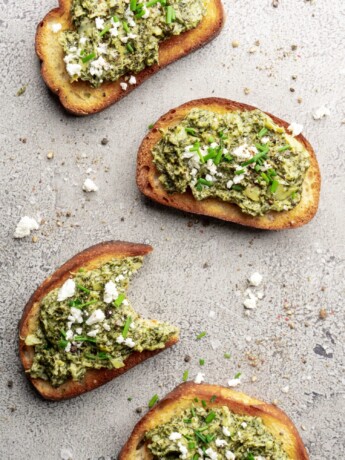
(149, 184)
(275, 420)
(88, 259)
(80, 97)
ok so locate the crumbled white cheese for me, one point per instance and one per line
(250, 304)
(230, 455)
(146, 12)
(99, 23)
(82, 40)
(69, 334)
(243, 425)
(106, 327)
(93, 332)
(321, 112)
(89, 186)
(79, 330)
(221, 442)
(24, 227)
(68, 347)
(209, 178)
(286, 389)
(102, 48)
(110, 292)
(175, 436)
(255, 279)
(295, 129)
(73, 69)
(226, 431)
(260, 295)
(129, 343)
(239, 178)
(96, 317)
(67, 290)
(132, 80)
(215, 344)
(211, 453)
(124, 85)
(234, 382)
(212, 314)
(265, 140)
(183, 450)
(76, 315)
(56, 27)
(229, 184)
(120, 339)
(66, 454)
(98, 66)
(200, 377)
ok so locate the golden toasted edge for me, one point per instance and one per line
(149, 185)
(89, 258)
(182, 396)
(72, 94)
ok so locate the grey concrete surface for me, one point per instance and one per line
(198, 265)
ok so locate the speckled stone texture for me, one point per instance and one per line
(198, 264)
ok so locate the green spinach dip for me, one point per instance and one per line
(241, 157)
(216, 434)
(89, 323)
(112, 38)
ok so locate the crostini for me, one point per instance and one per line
(231, 161)
(212, 422)
(94, 53)
(78, 330)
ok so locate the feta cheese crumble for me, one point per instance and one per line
(67, 290)
(96, 317)
(132, 80)
(200, 377)
(175, 436)
(321, 112)
(295, 129)
(255, 279)
(124, 85)
(56, 27)
(73, 69)
(110, 292)
(89, 186)
(230, 455)
(24, 227)
(234, 382)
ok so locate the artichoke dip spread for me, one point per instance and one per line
(241, 157)
(111, 38)
(88, 323)
(217, 434)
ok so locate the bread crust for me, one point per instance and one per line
(181, 397)
(149, 184)
(80, 98)
(90, 258)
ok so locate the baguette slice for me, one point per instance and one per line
(276, 421)
(89, 259)
(149, 184)
(80, 98)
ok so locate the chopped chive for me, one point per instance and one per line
(262, 132)
(285, 147)
(82, 338)
(101, 356)
(105, 30)
(202, 181)
(62, 343)
(153, 401)
(140, 14)
(82, 305)
(265, 177)
(211, 416)
(274, 186)
(82, 288)
(203, 403)
(196, 457)
(192, 411)
(255, 158)
(170, 14)
(115, 18)
(185, 376)
(190, 131)
(133, 5)
(63, 333)
(151, 126)
(227, 355)
(129, 48)
(152, 3)
(250, 456)
(238, 188)
(126, 327)
(125, 26)
(228, 157)
(187, 420)
(210, 139)
(262, 148)
(293, 195)
(257, 168)
(196, 400)
(88, 57)
(200, 436)
(272, 172)
(238, 375)
(213, 398)
(211, 154)
(119, 300)
(199, 187)
(218, 157)
(191, 445)
(239, 171)
(201, 362)
(201, 335)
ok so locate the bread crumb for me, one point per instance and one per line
(323, 313)
(246, 91)
(50, 155)
(235, 44)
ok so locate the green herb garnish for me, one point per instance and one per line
(126, 327)
(119, 300)
(227, 355)
(190, 131)
(185, 376)
(274, 186)
(88, 57)
(84, 338)
(153, 401)
(84, 289)
(262, 132)
(201, 362)
(238, 375)
(211, 416)
(202, 181)
(201, 335)
(285, 147)
(129, 48)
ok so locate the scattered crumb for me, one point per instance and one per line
(323, 313)
(295, 129)
(252, 49)
(138, 410)
(234, 382)
(235, 44)
(89, 186)
(275, 3)
(34, 239)
(10, 384)
(299, 100)
(212, 314)
(254, 378)
(285, 389)
(21, 90)
(50, 155)
(104, 141)
(255, 279)
(303, 427)
(293, 47)
(66, 454)
(200, 377)
(292, 90)
(321, 113)
(246, 91)
(187, 358)
(25, 226)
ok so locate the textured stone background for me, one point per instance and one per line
(198, 265)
